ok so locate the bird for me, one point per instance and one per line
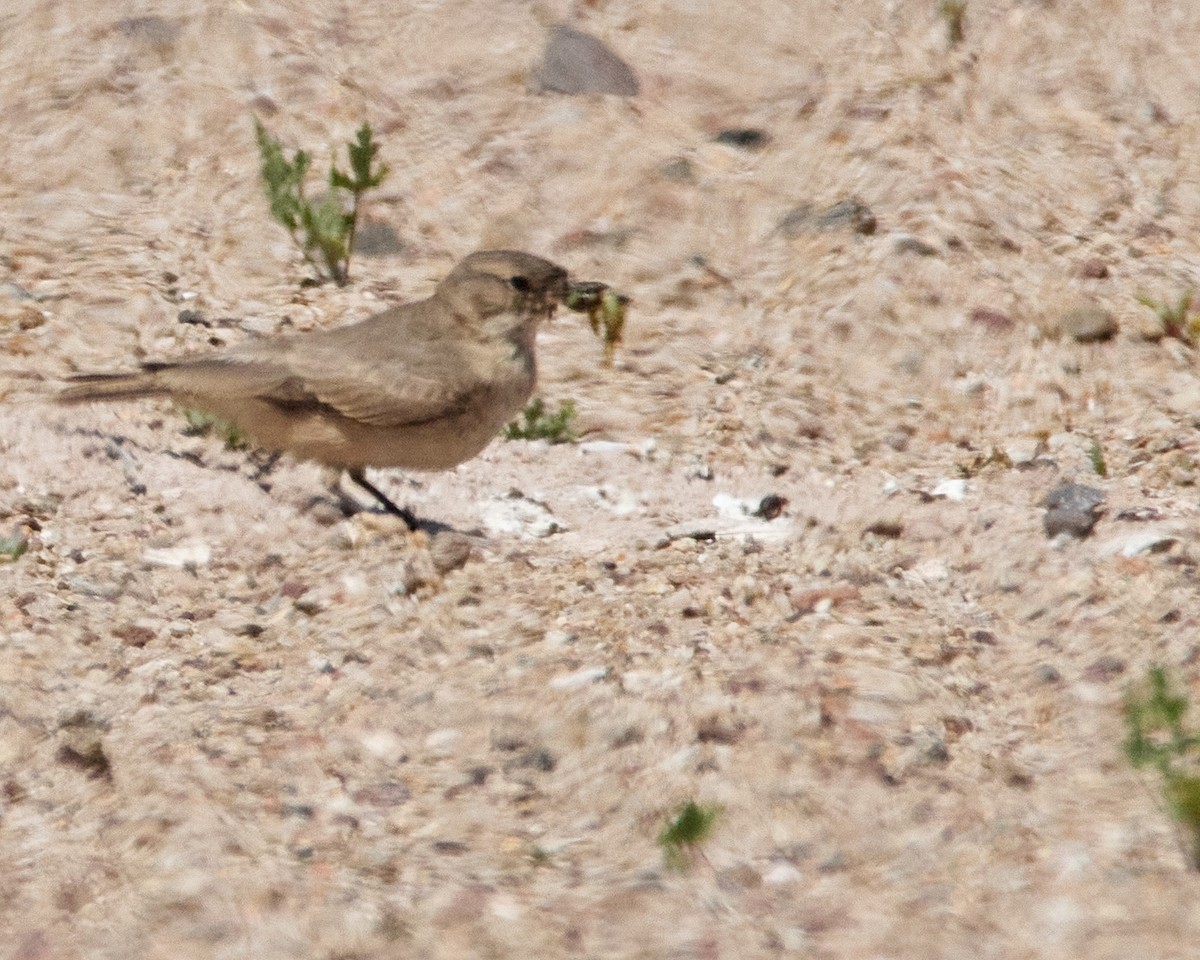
(420, 386)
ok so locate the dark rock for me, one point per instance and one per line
(744, 138)
(377, 239)
(915, 246)
(1089, 324)
(770, 507)
(1073, 509)
(678, 169)
(193, 317)
(851, 213)
(577, 63)
(1105, 669)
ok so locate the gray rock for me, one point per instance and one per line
(577, 63)
(377, 239)
(1073, 509)
(1089, 324)
(851, 213)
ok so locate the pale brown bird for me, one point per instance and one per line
(421, 386)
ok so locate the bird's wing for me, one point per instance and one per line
(421, 383)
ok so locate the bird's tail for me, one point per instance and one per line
(115, 386)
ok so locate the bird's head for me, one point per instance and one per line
(504, 290)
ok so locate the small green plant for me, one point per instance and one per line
(1157, 738)
(681, 837)
(954, 16)
(540, 424)
(324, 230)
(1095, 454)
(1175, 318)
(201, 424)
(13, 547)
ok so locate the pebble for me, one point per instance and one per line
(1139, 541)
(579, 678)
(576, 63)
(780, 874)
(744, 138)
(519, 514)
(952, 488)
(1023, 450)
(994, 320)
(1089, 324)
(184, 556)
(449, 550)
(914, 245)
(1072, 509)
(851, 213)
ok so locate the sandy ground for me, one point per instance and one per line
(233, 724)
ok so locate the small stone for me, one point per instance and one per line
(744, 138)
(134, 635)
(521, 515)
(993, 320)
(1072, 509)
(952, 488)
(678, 170)
(1093, 269)
(260, 326)
(1023, 451)
(449, 550)
(851, 213)
(1089, 324)
(770, 507)
(1105, 669)
(1048, 674)
(377, 239)
(576, 63)
(1139, 541)
(890, 528)
(580, 678)
(385, 793)
(193, 317)
(914, 245)
(782, 874)
(186, 556)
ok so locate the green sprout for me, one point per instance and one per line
(1174, 318)
(201, 424)
(324, 230)
(13, 547)
(540, 424)
(1095, 454)
(683, 834)
(1157, 738)
(954, 16)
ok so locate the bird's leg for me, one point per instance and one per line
(359, 477)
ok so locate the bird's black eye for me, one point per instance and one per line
(520, 284)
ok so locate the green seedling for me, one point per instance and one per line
(540, 424)
(1095, 454)
(685, 832)
(324, 230)
(954, 16)
(13, 547)
(1154, 717)
(201, 424)
(605, 309)
(1176, 319)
